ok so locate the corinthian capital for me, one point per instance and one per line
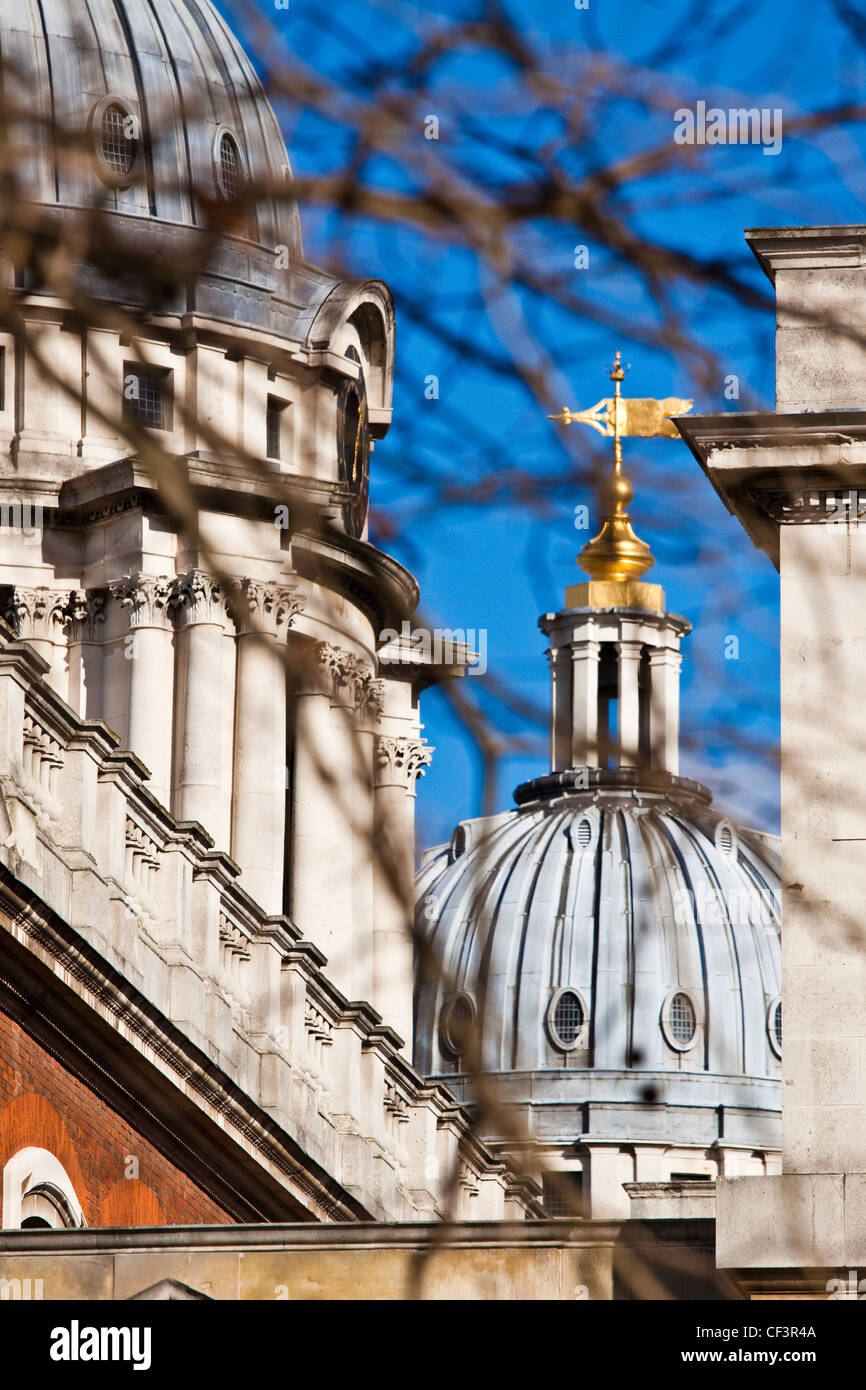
(258, 607)
(371, 700)
(37, 614)
(400, 761)
(197, 597)
(146, 596)
(351, 682)
(86, 614)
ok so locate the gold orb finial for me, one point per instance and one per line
(616, 554)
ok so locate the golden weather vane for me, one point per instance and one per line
(616, 553)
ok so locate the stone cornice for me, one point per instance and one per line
(761, 464)
(806, 248)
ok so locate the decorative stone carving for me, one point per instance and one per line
(352, 684)
(197, 597)
(146, 596)
(85, 614)
(37, 614)
(400, 761)
(371, 701)
(258, 607)
(814, 506)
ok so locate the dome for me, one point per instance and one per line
(164, 95)
(619, 943)
(609, 949)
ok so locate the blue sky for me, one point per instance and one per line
(499, 566)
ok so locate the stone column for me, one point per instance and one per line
(149, 652)
(331, 818)
(39, 616)
(665, 665)
(198, 607)
(584, 702)
(400, 761)
(262, 613)
(628, 653)
(560, 708)
(85, 625)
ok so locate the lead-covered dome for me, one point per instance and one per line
(170, 104)
(628, 934)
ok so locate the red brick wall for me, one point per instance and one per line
(42, 1105)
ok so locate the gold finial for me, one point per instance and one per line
(616, 555)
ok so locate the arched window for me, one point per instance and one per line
(38, 1193)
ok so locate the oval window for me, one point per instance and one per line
(116, 139)
(457, 1021)
(679, 1020)
(566, 1017)
(229, 168)
(774, 1026)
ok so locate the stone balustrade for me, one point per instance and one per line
(159, 905)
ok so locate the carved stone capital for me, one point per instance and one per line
(348, 681)
(400, 761)
(258, 607)
(197, 597)
(146, 596)
(85, 614)
(37, 614)
(371, 701)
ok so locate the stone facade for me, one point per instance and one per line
(794, 480)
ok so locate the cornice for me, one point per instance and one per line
(806, 248)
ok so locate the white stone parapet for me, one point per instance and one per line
(242, 1017)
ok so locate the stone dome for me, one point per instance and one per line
(200, 121)
(626, 941)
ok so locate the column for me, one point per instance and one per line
(85, 625)
(198, 607)
(628, 653)
(584, 702)
(262, 614)
(332, 829)
(400, 761)
(665, 665)
(148, 648)
(560, 708)
(39, 617)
